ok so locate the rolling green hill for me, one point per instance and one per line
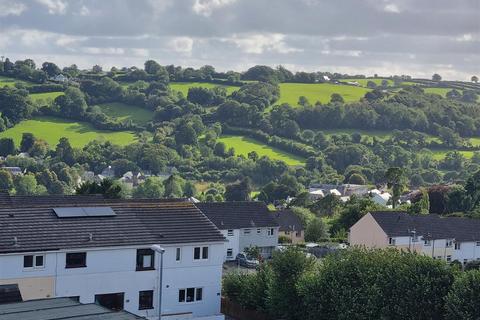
(363, 81)
(45, 95)
(51, 129)
(290, 92)
(244, 145)
(123, 111)
(184, 86)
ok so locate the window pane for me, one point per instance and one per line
(199, 294)
(181, 295)
(178, 254)
(205, 253)
(196, 254)
(190, 294)
(147, 261)
(76, 260)
(28, 261)
(38, 261)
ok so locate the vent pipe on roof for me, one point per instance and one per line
(15, 241)
(90, 237)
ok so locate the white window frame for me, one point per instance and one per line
(230, 232)
(449, 258)
(247, 231)
(195, 297)
(34, 262)
(270, 232)
(391, 241)
(448, 243)
(230, 255)
(202, 250)
(259, 231)
(458, 245)
(427, 243)
(478, 243)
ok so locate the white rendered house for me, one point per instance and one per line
(244, 224)
(101, 253)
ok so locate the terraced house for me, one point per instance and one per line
(446, 238)
(100, 251)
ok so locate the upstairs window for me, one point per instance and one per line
(427, 242)
(200, 253)
(76, 260)
(178, 254)
(478, 243)
(449, 243)
(270, 232)
(145, 259)
(457, 245)
(259, 231)
(391, 241)
(230, 232)
(33, 262)
(246, 231)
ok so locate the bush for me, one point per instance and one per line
(463, 300)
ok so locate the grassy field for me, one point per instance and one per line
(440, 154)
(45, 95)
(51, 129)
(379, 134)
(290, 92)
(440, 91)
(123, 111)
(10, 82)
(243, 146)
(363, 82)
(184, 86)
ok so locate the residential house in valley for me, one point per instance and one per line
(99, 250)
(244, 224)
(290, 226)
(446, 238)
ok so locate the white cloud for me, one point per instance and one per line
(84, 11)
(11, 8)
(140, 52)
(392, 8)
(206, 7)
(465, 37)
(103, 51)
(181, 44)
(67, 41)
(34, 38)
(259, 43)
(54, 6)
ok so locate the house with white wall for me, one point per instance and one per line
(244, 224)
(445, 238)
(101, 252)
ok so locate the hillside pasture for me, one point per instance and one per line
(51, 129)
(244, 145)
(122, 111)
(46, 96)
(363, 81)
(10, 82)
(439, 154)
(184, 86)
(290, 92)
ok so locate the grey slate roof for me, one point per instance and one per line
(236, 215)
(432, 226)
(135, 223)
(60, 308)
(288, 220)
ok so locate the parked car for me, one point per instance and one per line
(245, 261)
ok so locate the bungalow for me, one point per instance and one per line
(290, 226)
(380, 197)
(244, 224)
(446, 238)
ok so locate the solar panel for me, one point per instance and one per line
(75, 212)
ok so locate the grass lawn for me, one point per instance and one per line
(123, 111)
(51, 129)
(290, 92)
(440, 91)
(363, 82)
(244, 145)
(45, 95)
(440, 154)
(10, 82)
(184, 86)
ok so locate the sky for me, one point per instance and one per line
(387, 37)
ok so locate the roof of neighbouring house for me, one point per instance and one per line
(430, 226)
(60, 308)
(135, 222)
(238, 214)
(288, 220)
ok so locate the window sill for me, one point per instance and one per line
(144, 269)
(149, 308)
(75, 267)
